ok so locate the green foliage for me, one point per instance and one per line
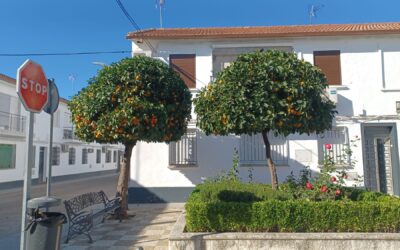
(264, 91)
(293, 216)
(137, 98)
(233, 190)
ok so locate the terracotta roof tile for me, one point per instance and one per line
(267, 31)
(7, 79)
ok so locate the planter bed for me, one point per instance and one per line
(179, 239)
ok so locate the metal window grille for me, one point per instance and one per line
(98, 156)
(338, 138)
(55, 156)
(252, 150)
(71, 156)
(184, 151)
(84, 156)
(108, 156)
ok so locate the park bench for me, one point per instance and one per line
(83, 209)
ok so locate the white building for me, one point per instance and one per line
(70, 156)
(362, 64)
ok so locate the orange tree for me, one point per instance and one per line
(262, 92)
(135, 99)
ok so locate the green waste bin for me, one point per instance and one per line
(44, 229)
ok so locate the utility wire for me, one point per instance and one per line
(135, 25)
(67, 53)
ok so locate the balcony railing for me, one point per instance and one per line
(12, 123)
(69, 134)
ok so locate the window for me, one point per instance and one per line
(115, 156)
(339, 142)
(7, 156)
(84, 156)
(108, 156)
(55, 157)
(185, 65)
(184, 151)
(329, 63)
(71, 156)
(98, 156)
(252, 150)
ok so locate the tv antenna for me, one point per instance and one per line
(160, 5)
(312, 11)
(72, 78)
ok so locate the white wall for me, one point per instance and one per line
(368, 88)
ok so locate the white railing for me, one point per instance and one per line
(12, 122)
(184, 151)
(338, 139)
(252, 150)
(68, 134)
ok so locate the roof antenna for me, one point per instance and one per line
(160, 5)
(312, 11)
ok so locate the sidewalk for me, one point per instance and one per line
(148, 227)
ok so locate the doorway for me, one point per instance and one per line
(380, 158)
(42, 164)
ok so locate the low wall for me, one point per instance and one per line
(279, 241)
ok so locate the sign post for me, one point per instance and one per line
(32, 89)
(50, 108)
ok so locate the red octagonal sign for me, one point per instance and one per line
(32, 86)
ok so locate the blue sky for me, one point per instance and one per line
(51, 26)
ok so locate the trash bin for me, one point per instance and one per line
(44, 229)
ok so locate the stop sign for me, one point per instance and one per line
(32, 86)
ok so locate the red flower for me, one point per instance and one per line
(328, 146)
(333, 179)
(308, 185)
(323, 189)
(338, 192)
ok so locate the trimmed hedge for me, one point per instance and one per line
(231, 206)
(293, 216)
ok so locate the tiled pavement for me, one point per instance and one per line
(148, 227)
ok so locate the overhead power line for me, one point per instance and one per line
(133, 22)
(67, 53)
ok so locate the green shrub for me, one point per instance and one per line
(293, 216)
(236, 191)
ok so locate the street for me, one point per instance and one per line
(11, 202)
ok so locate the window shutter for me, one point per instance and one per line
(185, 65)
(329, 63)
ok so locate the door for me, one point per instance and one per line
(42, 164)
(378, 167)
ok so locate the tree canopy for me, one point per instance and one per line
(265, 90)
(135, 99)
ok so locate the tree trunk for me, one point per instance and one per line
(123, 179)
(270, 163)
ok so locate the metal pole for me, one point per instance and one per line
(49, 166)
(27, 179)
